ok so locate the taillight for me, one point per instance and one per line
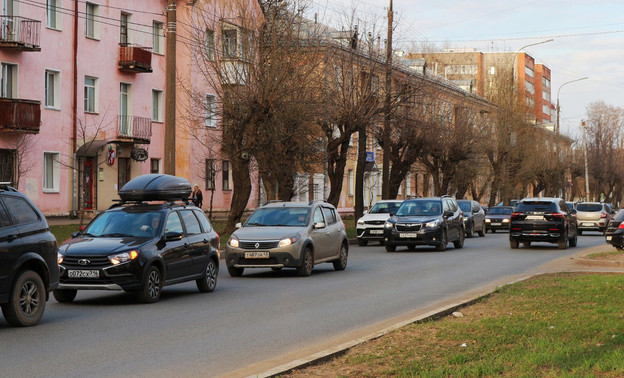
(621, 225)
(603, 215)
(556, 215)
(515, 215)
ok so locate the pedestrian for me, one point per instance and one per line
(197, 197)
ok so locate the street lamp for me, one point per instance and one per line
(558, 108)
(513, 60)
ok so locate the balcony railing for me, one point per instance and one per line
(20, 33)
(134, 58)
(21, 116)
(139, 129)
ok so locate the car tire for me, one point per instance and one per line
(513, 244)
(235, 272)
(563, 244)
(482, 231)
(208, 282)
(341, 262)
(362, 243)
(619, 247)
(526, 244)
(441, 246)
(459, 243)
(307, 263)
(493, 231)
(573, 241)
(470, 231)
(27, 300)
(152, 287)
(580, 232)
(65, 295)
(390, 248)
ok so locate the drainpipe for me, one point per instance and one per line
(170, 90)
(75, 113)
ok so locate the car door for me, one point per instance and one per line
(333, 232)
(176, 251)
(196, 260)
(320, 236)
(10, 251)
(479, 215)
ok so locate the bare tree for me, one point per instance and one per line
(23, 145)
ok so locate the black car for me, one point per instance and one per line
(543, 220)
(425, 221)
(615, 231)
(28, 268)
(498, 218)
(155, 237)
(474, 217)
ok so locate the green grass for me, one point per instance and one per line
(598, 255)
(63, 232)
(552, 325)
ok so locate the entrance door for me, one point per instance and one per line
(88, 184)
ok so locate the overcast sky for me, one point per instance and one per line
(588, 39)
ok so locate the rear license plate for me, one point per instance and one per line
(609, 238)
(83, 273)
(256, 255)
(408, 235)
(534, 217)
(376, 232)
(587, 224)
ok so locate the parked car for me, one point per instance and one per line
(571, 205)
(28, 268)
(431, 221)
(474, 217)
(288, 235)
(543, 220)
(153, 238)
(370, 227)
(593, 216)
(498, 218)
(615, 231)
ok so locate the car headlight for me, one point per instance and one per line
(505, 220)
(487, 220)
(432, 224)
(288, 241)
(233, 242)
(59, 258)
(388, 225)
(123, 257)
(360, 221)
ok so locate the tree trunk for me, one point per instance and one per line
(241, 191)
(336, 167)
(359, 173)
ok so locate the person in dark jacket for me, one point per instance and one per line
(197, 197)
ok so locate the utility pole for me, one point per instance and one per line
(385, 172)
(170, 90)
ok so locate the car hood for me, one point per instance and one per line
(375, 217)
(417, 218)
(89, 246)
(267, 232)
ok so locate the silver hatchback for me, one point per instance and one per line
(593, 216)
(288, 235)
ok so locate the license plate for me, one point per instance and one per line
(376, 232)
(534, 217)
(609, 238)
(587, 224)
(496, 224)
(409, 235)
(83, 274)
(256, 255)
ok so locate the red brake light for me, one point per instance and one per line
(514, 215)
(603, 215)
(621, 225)
(556, 215)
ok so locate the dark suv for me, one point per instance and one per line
(425, 221)
(543, 220)
(153, 238)
(28, 268)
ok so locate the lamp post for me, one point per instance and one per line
(558, 108)
(513, 61)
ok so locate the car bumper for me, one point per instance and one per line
(125, 276)
(536, 236)
(615, 239)
(370, 233)
(592, 225)
(497, 226)
(423, 237)
(277, 258)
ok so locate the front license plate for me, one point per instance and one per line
(83, 273)
(256, 255)
(496, 224)
(376, 232)
(408, 235)
(609, 238)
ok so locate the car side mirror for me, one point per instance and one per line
(449, 213)
(319, 225)
(238, 225)
(172, 236)
(75, 234)
(391, 215)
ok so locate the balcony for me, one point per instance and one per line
(134, 129)
(134, 58)
(19, 33)
(20, 116)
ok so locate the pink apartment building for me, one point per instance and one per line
(82, 99)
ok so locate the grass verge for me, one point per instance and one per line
(566, 324)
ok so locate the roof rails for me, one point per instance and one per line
(171, 202)
(6, 186)
(315, 201)
(271, 201)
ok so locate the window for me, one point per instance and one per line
(191, 222)
(529, 87)
(52, 89)
(90, 92)
(408, 184)
(51, 172)
(124, 172)
(546, 109)
(545, 82)
(350, 182)
(205, 223)
(20, 210)
(229, 43)
(158, 37)
(8, 80)
(157, 105)
(53, 9)
(7, 165)
(210, 45)
(210, 110)
(528, 71)
(173, 223)
(4, 217)
(225, 171)
(330, 215)
(154, 165)
(93, 26)
(211, 172)
(124, 38)
(125, 114)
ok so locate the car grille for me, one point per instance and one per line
(94, 261)
(375, 222)
(261, 245)
(269, 261)
(408, 226)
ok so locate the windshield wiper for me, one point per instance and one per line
(255, 224)
(116, 235)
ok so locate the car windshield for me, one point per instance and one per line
(537, 207)
(619, 216)
(421, 207)
(589, 207)
(500, 211)
(279, 216)
(465, 206)
(385, 207)
(114, 224)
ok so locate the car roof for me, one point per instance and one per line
(541, 199)
(294, 204)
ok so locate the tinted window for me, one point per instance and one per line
(500, 211)
(122, 223)
(4, 218)
(279, 216)
(537, 206)
(173, 223)
(20, 210)
(203, 220)
(191, 223)
(465, 206)
(589, 207)
(385, 207)
(330, 215)
(420, 207)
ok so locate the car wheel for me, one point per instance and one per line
(482, 231)
(513, 244)
(341, 262)
(150, 292)
(362, 243)
(470, 231)
(65, 296)
(563, 244)
(460, 242)
(235, 272)
(208, 282)
(390, 248)
(526, 244)
(580, 232)
(573, 241)
(441, 246)
(27, 300)
(307, 263)
(619, 247)
(493, 231)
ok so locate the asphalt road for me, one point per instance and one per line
(260, 316)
